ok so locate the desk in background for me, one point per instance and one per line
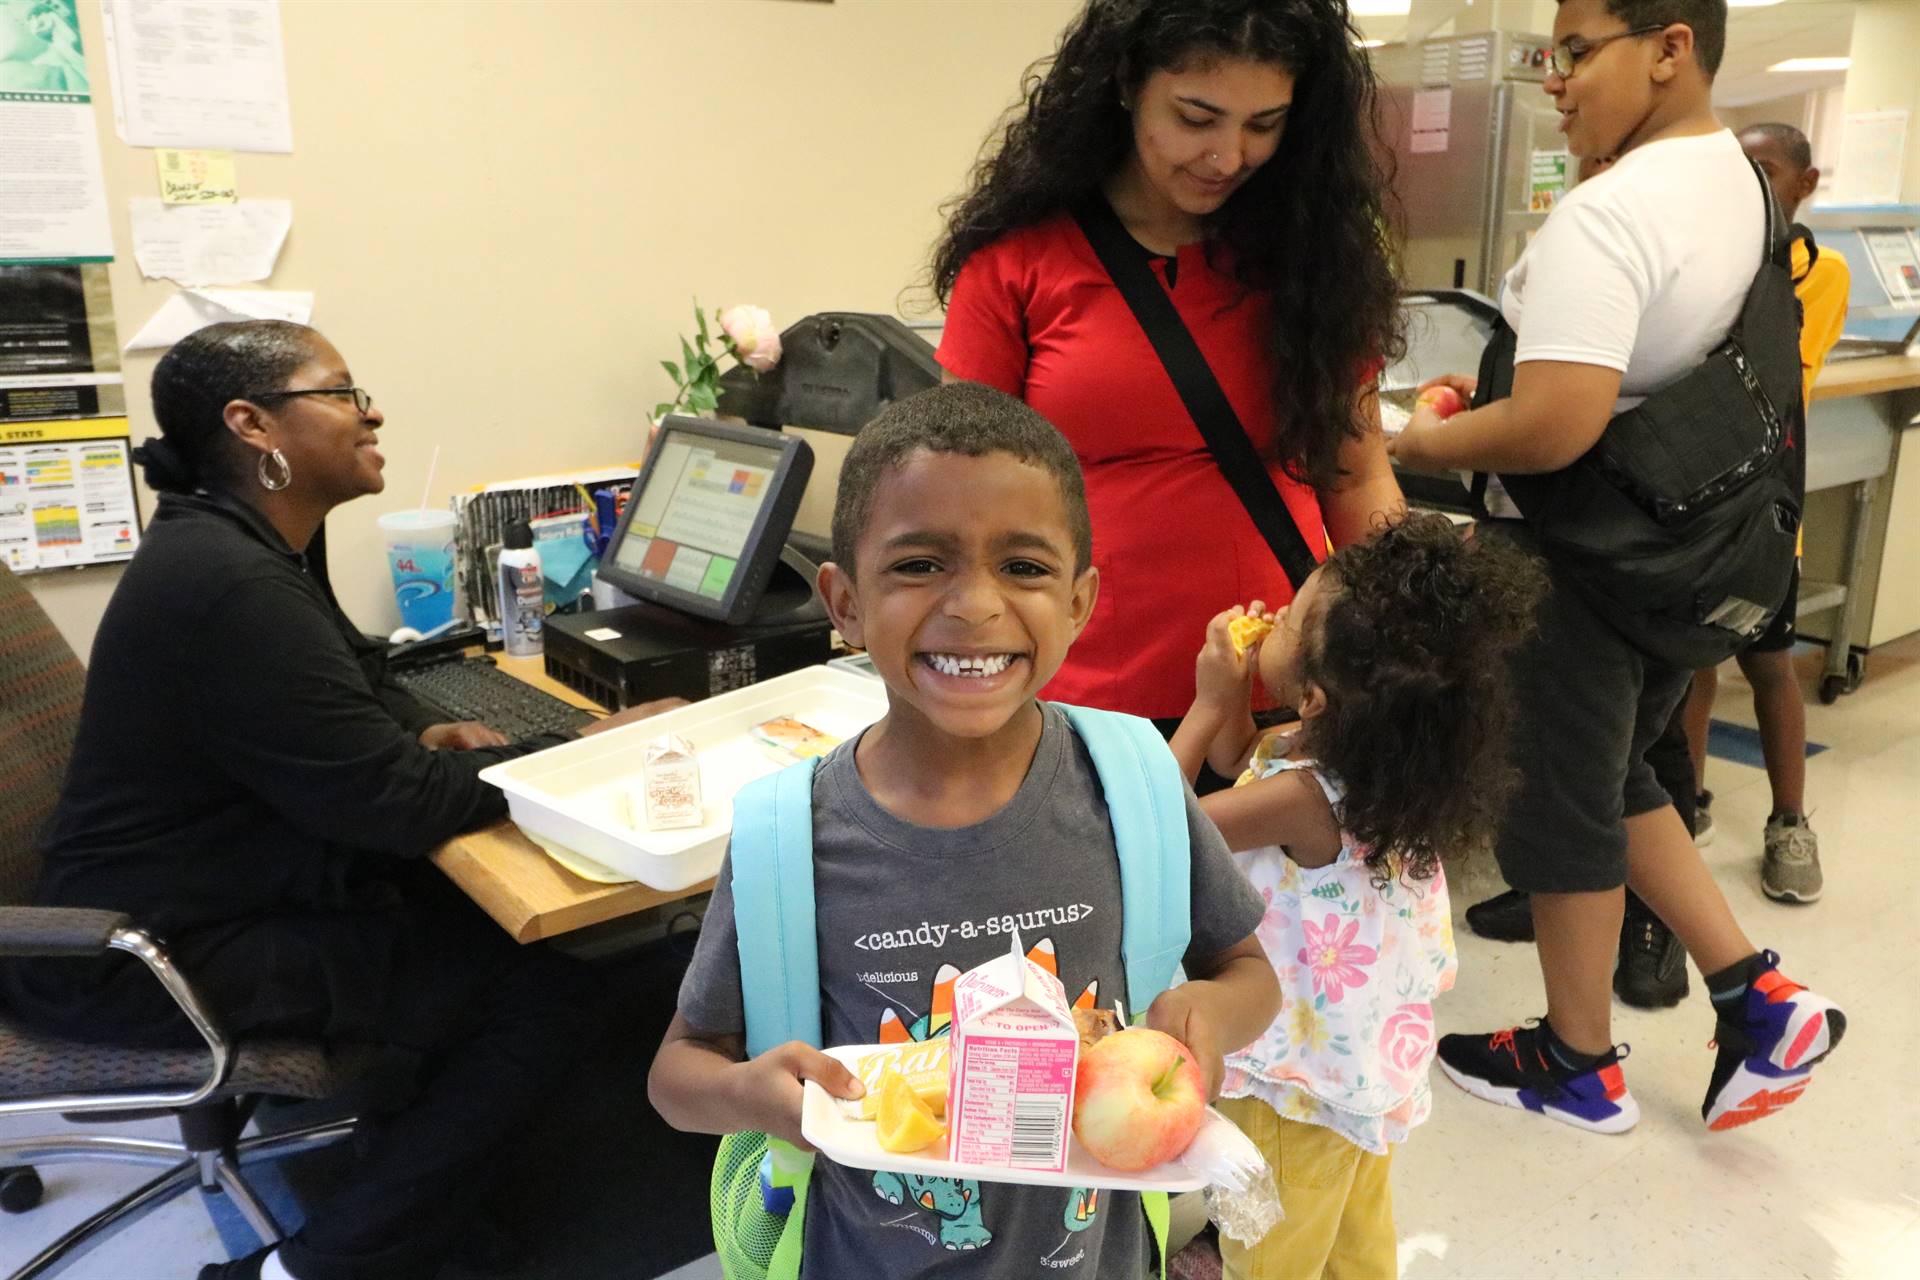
(527, 893)
(1856, 423)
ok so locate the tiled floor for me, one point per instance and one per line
(1829, 1189)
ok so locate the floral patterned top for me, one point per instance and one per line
(1359, 965)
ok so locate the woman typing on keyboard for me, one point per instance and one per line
(248, 785)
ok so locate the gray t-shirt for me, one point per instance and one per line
(902, 910)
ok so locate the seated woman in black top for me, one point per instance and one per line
(247, 785)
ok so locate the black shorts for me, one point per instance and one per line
(1587, 706)
(1780, 633)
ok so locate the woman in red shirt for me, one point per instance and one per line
(1232, 138)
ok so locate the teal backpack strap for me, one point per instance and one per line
(771, 854)
(772, 857)
(1147, 803)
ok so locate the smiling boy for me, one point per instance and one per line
(962, 565)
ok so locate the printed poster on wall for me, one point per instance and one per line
(66, 494)
(53, 199)
(59, 356)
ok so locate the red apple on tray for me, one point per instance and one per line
(1443, 400)
(1138, 1099)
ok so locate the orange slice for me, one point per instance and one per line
(906, 1123)
(1247, 631)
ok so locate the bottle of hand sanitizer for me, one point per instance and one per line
(522, 596)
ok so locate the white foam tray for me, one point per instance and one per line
(575, 795)
(856, 1144)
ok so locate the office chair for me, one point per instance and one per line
(211, 1092)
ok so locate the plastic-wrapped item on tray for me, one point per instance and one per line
(1240, 1196)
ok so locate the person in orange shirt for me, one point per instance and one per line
(1790, 871)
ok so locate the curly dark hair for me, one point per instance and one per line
(1409, 642)
(1308, 226)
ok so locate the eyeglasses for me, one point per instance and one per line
(362, 398)
(1567, 55)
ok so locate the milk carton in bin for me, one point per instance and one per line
(1012, 1058)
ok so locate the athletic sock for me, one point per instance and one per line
(1727, 986)
(1565, 1055)
(271, 1268)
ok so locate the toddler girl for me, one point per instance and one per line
(1392, 654)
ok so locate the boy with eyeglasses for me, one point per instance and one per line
(1631, 283)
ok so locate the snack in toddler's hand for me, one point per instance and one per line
(1246, 631)
(790, 741)
(906, 1123)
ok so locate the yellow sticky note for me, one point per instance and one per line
(196, 177)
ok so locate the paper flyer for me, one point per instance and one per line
(206, 244)
(192, 309)
(198, 73)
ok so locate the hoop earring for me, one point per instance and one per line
(267, 482)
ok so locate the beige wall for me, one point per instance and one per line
(1886, 34)
(505, 208)
(1794, 109)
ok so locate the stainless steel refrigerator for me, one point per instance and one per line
(1477, 155)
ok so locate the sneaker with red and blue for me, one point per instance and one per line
(1779, 1032)
(1514, 1069)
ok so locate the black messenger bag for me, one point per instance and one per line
(1680, 526)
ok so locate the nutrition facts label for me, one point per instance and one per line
(1013, 1099)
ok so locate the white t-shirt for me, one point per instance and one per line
(1641, 269)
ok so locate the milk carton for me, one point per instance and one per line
(1014, 1051)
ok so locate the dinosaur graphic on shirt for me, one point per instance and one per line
(956, 1202)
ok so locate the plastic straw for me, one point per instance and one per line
(431, 468)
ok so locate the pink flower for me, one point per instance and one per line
(1406, 1045)
(1334, 957)
(754, 338)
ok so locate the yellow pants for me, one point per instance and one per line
(1338, 1200)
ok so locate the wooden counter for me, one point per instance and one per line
(527, 893)
(1868, 376)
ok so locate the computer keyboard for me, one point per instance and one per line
(475, 689)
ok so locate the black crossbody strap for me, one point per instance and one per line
(1199, 390)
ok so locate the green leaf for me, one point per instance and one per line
(701, 316)
(686, 354)
(662, 409)
(673, 370)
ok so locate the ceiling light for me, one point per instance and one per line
(1812, 64)
(1369, 44)
(1750, 4)
(1379, 8)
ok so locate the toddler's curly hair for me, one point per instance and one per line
(1409, 643)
